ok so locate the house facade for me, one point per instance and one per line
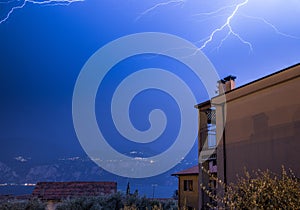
(257, 127)
(188, 188)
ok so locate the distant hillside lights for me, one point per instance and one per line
(14, 184)
(28, 184)
(22, 159)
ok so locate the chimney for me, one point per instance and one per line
(229, 83)
(226, 84)
(221, 86)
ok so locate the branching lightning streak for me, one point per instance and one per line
(277, 31)
(44, 2)
(7, 2)
(215, 12)
(176, 2)
(227, 24)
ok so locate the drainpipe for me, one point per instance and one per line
(224, 148)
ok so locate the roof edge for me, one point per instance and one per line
(206, 103)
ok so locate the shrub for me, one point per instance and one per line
(116, 201)
(23, 205)
(262, 190)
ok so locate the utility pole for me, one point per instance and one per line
(153, 189)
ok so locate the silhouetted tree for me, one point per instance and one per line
(128, 189)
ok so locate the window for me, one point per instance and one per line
(209, 132)
(188, 185)
(211, 136)
(212, 165)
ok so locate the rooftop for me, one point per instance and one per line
(63, 190)
(256, 85)
(190, 171)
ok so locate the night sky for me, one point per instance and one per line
(44, 47)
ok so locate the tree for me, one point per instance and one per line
(128, 189)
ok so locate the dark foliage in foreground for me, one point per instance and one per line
(261, 190)
(23, 205)
(116, 201)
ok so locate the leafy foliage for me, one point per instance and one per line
(261, 190)
(116, 201)
(23, 205)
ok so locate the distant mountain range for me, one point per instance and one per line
(22, 170)
(7, 174)
(60, 170)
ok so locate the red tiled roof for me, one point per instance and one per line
(190, 171)
(62, 190)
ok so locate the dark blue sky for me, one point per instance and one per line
(43, 49)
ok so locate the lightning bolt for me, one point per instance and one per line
(210, 38)
(231, 31)
(276, 30)
(216, 12)
(227, 25)
(43, 2)
(175, 2)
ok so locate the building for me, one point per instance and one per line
(188, 192)
(55, 192)
(62, 190)
(261, 122)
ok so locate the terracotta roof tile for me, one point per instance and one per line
(62, 190)
(189, 171)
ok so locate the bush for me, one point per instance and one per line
(23, 205)
(116, 201)
(262, 190)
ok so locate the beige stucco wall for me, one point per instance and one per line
(188, 198)
(263, 126)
